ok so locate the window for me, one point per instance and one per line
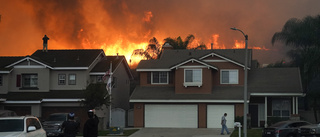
(0, 80)
(193, 77)
(29, 80)
(62, 79)
(72, 79)
(229, 77)
(33, 122)
(99, 79)
(159, 78)
(281, 108)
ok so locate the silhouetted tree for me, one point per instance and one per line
(304, 38)
(177, 43)
(95, 96)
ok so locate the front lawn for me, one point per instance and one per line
(250, 133)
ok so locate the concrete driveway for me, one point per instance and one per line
(179, 132)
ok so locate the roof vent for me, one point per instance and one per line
(78, 58)
(190, 53)
(54, 60)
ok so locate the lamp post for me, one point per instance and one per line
(245, 92)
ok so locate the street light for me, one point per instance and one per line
(245, 92)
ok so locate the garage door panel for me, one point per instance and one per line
(215, 112)
(185, 116)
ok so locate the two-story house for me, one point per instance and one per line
(194, 88)
(54, 81)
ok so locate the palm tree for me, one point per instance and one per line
(178, 43)
(304, 38)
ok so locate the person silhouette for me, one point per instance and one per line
(45, 43)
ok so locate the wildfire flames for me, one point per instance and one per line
(107, 25)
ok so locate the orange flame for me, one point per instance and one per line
(241, 45)
(147, 16)
(215, 43)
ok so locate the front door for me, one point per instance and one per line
(253, 110)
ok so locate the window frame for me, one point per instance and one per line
(186, 84)
(282, 108)
(229, 70)
(167, 75)
(99, 79)
(75, 79)
(65, 79)
(30, 86)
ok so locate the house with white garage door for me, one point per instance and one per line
(194, 88)
(54, 81)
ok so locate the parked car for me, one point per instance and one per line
(310, 130)
(7, 113)
(284, 129)
(21, 126)
(53, 124)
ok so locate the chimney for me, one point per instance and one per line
(117, 56)
(167, 46)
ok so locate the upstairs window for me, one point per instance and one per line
(29, 80)
(0, 80)
(72, 79)
(99, 79)
(193, 77)
(229, 77)
(159, 78)
(62, 79)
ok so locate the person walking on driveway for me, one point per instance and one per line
(223, 123)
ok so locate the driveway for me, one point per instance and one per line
(179, 132)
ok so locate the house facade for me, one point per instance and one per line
(194, 88)
(55, 80)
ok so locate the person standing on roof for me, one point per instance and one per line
(90, 128)
(45, 43)
(70, 127)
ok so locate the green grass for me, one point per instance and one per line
(250, 133)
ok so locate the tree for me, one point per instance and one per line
(152, 51)
(95, 96)
(304, 38)
(178, 43)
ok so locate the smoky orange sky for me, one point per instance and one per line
(120, 26)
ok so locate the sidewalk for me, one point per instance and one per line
(176, 132)
(179, 132)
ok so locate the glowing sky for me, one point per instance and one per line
(120, 26)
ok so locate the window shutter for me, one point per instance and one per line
(148, 77)
(18, 84)
(171, 78)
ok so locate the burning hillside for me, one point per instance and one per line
(121, 26)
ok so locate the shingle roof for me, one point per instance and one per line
(54, 94)
(167, 93)
(104, 63)
(5, 61)
(67, 58)
(171, 58)
(274, 80)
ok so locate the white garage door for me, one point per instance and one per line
(180, 116)
(215, 112)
